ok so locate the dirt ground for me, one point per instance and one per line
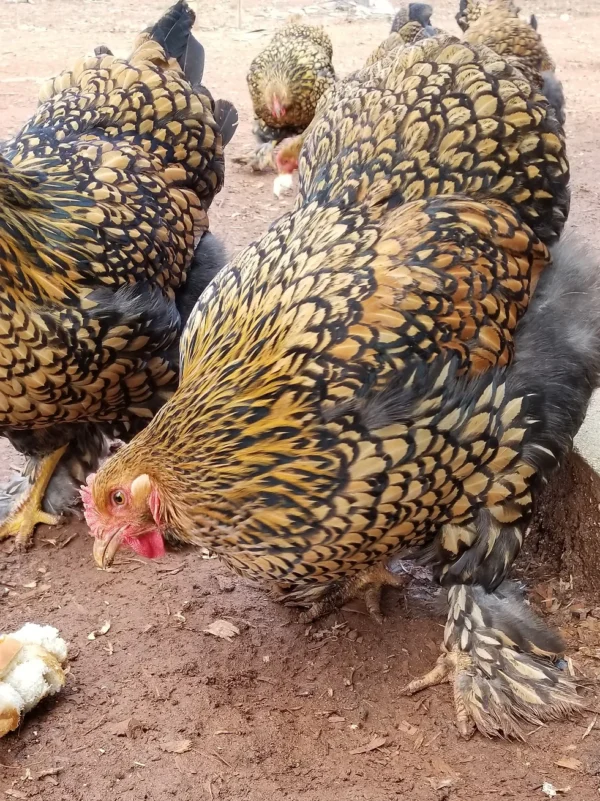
(156, 708)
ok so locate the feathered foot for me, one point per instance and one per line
(28, 512)
(262, 159)
(369, 583)
(499, 658)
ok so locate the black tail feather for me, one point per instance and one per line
(226, 117)
(553, 90)
(173, 31)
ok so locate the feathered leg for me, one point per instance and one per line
(369, 583)
(28, 512)
(499, 659)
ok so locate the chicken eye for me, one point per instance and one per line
(118, 498)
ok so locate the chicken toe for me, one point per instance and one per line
(449, 668)
(369, 583)
(28, 512)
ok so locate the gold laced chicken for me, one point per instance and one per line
(286, 82)
(393, 369)
(496, 24)
(411, 23)
(104, 197)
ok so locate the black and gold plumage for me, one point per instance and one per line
(104, 196)
(286, 81)
(363, 381)
(497, 24)
(471, 10)
(411, 23)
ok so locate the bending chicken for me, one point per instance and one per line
(286, 82)
(104, 195)
(411, 24)
(371, 379)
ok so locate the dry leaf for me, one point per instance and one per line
(15, 794)
(222, 628)
(176, 746)
(104, 629)
(375, 743)
(570, 763)
(130, 727)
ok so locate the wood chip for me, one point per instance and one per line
(440, 784)
(176, 746)
(49, 772)
(569, 763)
(408, 728)
(589, 729)
(223, 629)
(15, 794)
(376, 742)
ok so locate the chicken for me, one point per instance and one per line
(496, 24)
(471, 10)
(411, 23)
(104, 195)
(373, 379)
(286, 81)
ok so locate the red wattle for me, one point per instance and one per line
(150, 546)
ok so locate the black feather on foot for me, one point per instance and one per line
(499, 658)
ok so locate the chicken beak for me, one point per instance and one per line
(106, 550)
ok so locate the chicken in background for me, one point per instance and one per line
(104, 249)
(411, 24)
(392, 370)
(470, 10)
(497, 24)
(286, 81)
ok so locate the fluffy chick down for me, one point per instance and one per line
(32, 663)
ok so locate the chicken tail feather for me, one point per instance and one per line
(173, 32)
(227, 119)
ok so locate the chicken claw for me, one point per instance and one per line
(28, 512)
(449, 669)
(369, 583)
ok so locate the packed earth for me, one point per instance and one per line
(187, 682)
